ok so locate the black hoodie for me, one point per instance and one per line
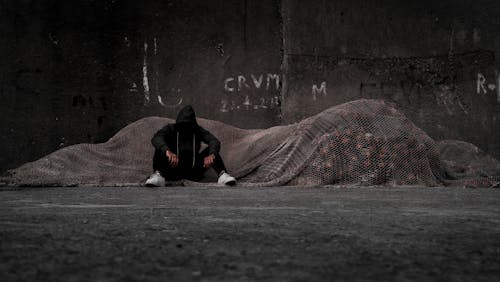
(183, 137)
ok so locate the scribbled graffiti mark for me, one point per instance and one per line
(164, 104)
(145, 80)
(155, 79)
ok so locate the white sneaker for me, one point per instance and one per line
(226, 179)
(155, 180)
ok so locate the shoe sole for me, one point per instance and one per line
(151, 185)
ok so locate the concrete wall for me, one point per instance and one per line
(78, 71)
(436, 59)
(56, 76)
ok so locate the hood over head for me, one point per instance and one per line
(186, 119)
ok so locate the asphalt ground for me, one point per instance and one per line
(247, 234)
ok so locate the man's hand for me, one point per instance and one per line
(172, 158)
(209, 161)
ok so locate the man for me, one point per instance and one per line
(177, 152)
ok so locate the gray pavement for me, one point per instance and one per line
(246, 234)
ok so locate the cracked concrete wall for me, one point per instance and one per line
(437, 60)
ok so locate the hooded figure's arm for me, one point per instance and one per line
(212, 142)
(158, 139)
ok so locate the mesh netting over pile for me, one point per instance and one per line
(363, 142)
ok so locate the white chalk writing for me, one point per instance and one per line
(256, 82)
(173, 93)
(483, 86)
(160, 100)
(261, 103)
(274, 77)
(145, 82)
(155, 79)
(226, 84)
(480, 83)
(240, 82)
(320, 90)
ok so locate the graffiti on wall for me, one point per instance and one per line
(269, 83)
(242, 82)
(249, 104)
(155, 72)
(486, 85)
(145, 79)
(317, 91)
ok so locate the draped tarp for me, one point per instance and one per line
(363, 142)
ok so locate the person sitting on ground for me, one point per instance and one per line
(177, 152)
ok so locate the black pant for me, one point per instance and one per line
(161, 164)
